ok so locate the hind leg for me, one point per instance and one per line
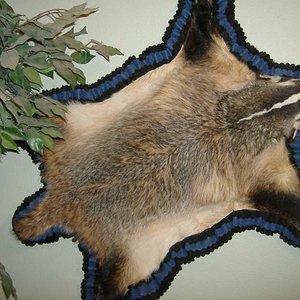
(112, 282)
(148, 247)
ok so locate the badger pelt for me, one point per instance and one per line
(169, 156)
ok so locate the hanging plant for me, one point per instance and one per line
(7, 284)
(30, 49)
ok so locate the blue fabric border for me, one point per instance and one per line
(209, 240)
(234, 35)
(206, 242)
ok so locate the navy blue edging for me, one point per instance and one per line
(209, 240)
(235, 37)
(90, 269)
(206, 242)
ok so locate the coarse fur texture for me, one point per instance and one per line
(169, 156)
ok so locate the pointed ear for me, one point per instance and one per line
(198, 38)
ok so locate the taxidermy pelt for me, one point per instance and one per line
(169, 156)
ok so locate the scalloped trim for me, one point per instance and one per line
(234, 35)
(206, 242)
(211, 239)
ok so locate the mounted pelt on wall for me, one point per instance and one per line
(195, 146)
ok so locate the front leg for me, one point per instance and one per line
(284, 204)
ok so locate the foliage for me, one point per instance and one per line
(30, 49)
(7, 284)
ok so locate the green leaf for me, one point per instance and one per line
(34, 140)
(2, 37)
(36, 144)
(73, 44)
(67, 71)
(49, 74)
(25, 105)
(5, 32)
(9, 59)
(5, 7)
(58, 111)
(82, 57)
(7, 283)
(20, 41)
(82, 31)
(2, 150)
(33, 122)
(47, 71)
(9, 20)
(75, 70)
(57, 44)
(12, 108)
(33, 76)
(56, 103)
(39, 61)
(44, 106)
(60, 55)
(17, 76)
(32, 30)
(49, 107)
(60, 23)
(37, 31)
(23, 50)
(53, 132)
(78, 8)
(47, 140)
(14, 133)
(5, 117)
(82, 11)
(18, 90)
(105, 51)
(39, 48)
(81, 80)
(7, 142)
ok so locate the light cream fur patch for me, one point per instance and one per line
(91, 117)
(158, 237)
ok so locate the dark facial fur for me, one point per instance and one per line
(194, 145)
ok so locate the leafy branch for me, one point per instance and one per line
(7, 284)
(31, 49)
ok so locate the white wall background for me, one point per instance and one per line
(251, 266)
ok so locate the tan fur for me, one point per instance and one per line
(87, 118)
(167, 157)
(225, 69)
(275, 170)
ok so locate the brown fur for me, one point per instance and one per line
(167, 157)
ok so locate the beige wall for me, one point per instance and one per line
(251, 266)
